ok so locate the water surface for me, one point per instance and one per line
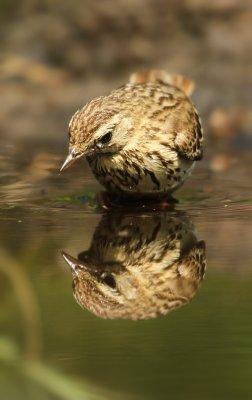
(51, 348)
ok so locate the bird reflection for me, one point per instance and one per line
(138, 266)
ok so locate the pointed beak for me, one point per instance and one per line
(68, 161)
(71, 261)
(77, 265)
(71, 158)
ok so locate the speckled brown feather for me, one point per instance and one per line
(157, 134)
(139, 267)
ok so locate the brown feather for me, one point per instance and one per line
(139, 267)
(156, 134)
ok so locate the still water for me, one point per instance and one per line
(147, 304)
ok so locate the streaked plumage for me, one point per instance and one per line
(138, 267)
(142, 138)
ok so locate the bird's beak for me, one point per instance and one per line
(71, 261)
(68, 161)
(71, 158)
(76, 264)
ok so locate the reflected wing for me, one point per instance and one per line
(192, 265)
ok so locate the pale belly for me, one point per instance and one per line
(135, 179)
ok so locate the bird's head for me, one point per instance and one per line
(100, 128)
(94, 287)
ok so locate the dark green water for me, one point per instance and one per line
(51, 348)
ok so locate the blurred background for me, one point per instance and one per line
(54, 57)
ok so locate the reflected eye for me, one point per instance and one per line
(105, 138)
(110, 281)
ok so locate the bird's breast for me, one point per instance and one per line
(140, 173)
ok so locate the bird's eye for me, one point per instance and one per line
(75, 153)
(106, 138)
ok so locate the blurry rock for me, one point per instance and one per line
(41, 167)
(17, 67)
(221, 162)
(214, 5)
(226, 123)
(207, 189)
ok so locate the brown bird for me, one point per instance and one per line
(142, 138)
(138, 266)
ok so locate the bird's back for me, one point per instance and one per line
(170, 108)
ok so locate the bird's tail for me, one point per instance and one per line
(161, 76)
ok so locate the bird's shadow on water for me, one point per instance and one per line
(121, 203)
(142, 262)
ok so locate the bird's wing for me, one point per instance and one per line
(188, 136)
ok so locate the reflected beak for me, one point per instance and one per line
(77, 265)
(71, 261)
